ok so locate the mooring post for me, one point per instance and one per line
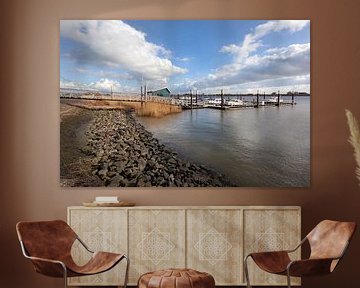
(222, 99)
(191, 100)
(257, 99)
(196, 98)
(264, 95)
(292, 98)
(141, 94)
(145, 92)
(278, 100)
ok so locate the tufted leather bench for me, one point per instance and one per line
(176, 278)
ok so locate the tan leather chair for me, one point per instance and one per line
(48, 245)
(328, 242)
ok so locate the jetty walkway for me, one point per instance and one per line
(221, 101)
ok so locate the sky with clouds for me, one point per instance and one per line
(238, 56)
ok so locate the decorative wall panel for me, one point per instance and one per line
(156, 240)
(101, 230)
(214, 241)
(270, 230)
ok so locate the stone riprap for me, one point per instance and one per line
(125, 154)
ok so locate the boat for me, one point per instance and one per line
(274, 99)
(216, 101)
(234, 102)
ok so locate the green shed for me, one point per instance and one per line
(165, 92)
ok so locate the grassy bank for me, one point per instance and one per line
(145, 109)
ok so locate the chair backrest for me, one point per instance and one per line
(329, 239)
(46, 239)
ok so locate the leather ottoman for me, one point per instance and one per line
(176, 278)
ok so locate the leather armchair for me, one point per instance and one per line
(48, 245)
(328, 243)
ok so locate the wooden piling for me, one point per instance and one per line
(191, 100)
(222, 99)
(278, 99)
(145, 93)
(257, 99)
(292, 98)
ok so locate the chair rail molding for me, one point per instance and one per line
(211, 239)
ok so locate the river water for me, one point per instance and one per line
(264, 147)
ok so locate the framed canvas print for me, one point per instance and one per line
(185, 103)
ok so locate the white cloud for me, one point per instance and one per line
(285, 61)
(183, 59)
(105, 74)
(117, 44)
(69, 84)
(81, 70)
(103, 84)
(261, 70)
(114, 75)
(106, 85)
(283, 84)
(252, 40)
(288, 62)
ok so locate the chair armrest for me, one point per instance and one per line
(280, 251)
(309, 267)
(271, 261)
(84, 245)
(45, 260)
(48, 267)
(298, 246)
(268, 253)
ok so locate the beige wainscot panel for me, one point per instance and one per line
(156, 240)
(214, 244)
(103, 229)
(271, 230)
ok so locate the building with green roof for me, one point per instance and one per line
(165, 92)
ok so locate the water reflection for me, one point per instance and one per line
(253, 147)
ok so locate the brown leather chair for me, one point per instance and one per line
(328, 242)
(48, 245)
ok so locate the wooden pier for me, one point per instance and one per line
(220, 103)
(224, 107)
(193, 100)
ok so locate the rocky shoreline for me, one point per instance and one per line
(125, 154)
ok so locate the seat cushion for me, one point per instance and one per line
(176, 278)
(99, 262)
(272, 262)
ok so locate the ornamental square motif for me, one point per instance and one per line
(156, 246)
(213, 246)
(269, 241)
(98, 240)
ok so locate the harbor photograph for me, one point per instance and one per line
(185, 103)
